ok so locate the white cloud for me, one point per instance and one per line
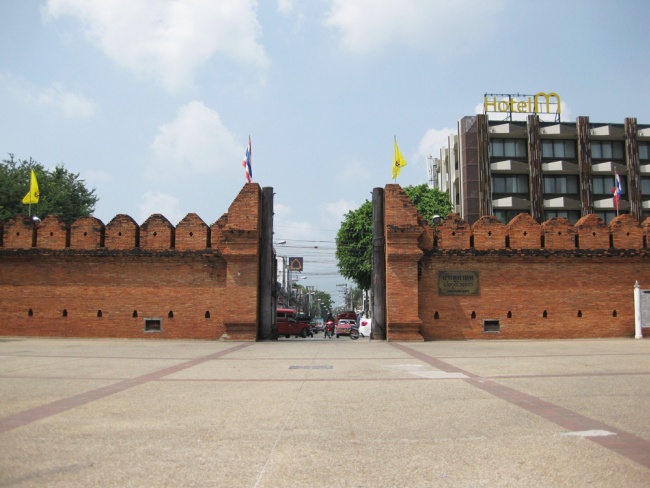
(337, 210)
(432, 141)
(73, 106)
(287, 229)
(285, 6)
(195, 143)
(368, 25)
(55, 96)
(160, 203)
(167, 41)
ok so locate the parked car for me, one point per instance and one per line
(344, 321)
(365, 326)
(289, 325)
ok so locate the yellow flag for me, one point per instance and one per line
(398, 161)
(32, 196)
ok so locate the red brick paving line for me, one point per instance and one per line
(59, 406)
(623, 443)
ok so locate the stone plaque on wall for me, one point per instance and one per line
(458, 282)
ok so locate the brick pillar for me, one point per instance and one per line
(240, 248)
(402, 232)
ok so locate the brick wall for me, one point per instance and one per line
(91, 280)
(553, 280)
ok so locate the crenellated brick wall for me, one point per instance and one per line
(554, 280)
(91, 280)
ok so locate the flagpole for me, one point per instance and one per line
(30, 192)
(394, 155)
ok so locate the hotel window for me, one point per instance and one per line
(561, 185)
(571, 215)
(603, 185)
(607, 150)
(644, 152)
(510, 184)
(552, 148)
(506, 216)
(645, 185)
(508, 148)
(608, 216)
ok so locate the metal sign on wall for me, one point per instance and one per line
(458, 282)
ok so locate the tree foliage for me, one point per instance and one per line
(354, 238)
(62, 193)
(354, 245)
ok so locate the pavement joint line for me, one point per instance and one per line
(288, 417)
(623, 443)
(25, 417)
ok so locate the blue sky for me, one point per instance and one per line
(152, 101)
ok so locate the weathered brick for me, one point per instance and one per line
(453, 233)
(555, 291)
(156, 233)
(192, 233)
(559, 233)
(593, 233)
(489, 233)
(87, 233)
(52, 233)
(122, 232)
(626, 232)
(524, 232)
(19, 233)
(88, 290)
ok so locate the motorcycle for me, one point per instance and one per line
(354, 332)
(329, 329)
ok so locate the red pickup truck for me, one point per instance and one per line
(289, 325)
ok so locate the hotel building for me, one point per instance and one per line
(545, 168)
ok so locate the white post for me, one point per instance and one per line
(637, 311)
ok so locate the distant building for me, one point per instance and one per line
(546, 169)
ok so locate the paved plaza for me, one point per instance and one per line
(324, 413)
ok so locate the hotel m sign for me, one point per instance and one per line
(541, 103)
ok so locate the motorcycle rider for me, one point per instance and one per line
(329, 325)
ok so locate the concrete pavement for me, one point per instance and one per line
(324, 413)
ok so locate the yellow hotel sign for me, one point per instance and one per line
(527, 104)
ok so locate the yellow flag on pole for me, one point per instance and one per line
(398, 161)
(32, 196)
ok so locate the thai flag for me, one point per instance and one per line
(246, 163)
(617, 191)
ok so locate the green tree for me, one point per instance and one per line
(354, 238)
(62, 193)
(354, 245)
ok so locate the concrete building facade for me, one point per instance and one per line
(546, 169)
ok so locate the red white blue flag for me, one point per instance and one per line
(247, 162)
(617, 191)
